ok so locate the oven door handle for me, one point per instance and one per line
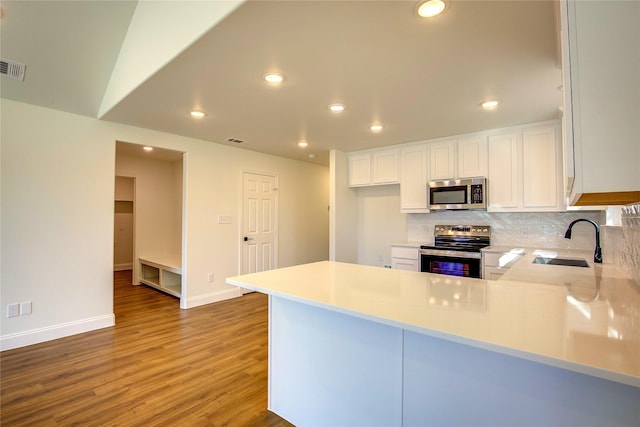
(451, 254)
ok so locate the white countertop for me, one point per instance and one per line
(554, 324)
(408, 244)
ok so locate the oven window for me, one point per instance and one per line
(449, 196)
(451, 266)
(460, 269)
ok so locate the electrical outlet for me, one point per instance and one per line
(210, 277)
(25, 308)
(13, 310)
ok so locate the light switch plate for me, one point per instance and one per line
(224, 219)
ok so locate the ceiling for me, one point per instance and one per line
(419, 78)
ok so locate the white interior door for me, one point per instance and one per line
(260, 213)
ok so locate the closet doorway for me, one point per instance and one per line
(123, 221)
(156, 179)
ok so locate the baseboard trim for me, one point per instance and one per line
(121, 267)
(35, 336)
(210, 298)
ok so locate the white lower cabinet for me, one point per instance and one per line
(496, 263)
(405, 257)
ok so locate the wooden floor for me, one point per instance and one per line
(159, 366)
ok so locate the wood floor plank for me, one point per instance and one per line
(159, 365)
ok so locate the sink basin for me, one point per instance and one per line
(571, 262)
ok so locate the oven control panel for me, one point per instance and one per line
(463, 230)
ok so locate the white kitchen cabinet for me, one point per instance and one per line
(385, 167)
(495, 263)
(525, 171)
(491, 269)
(442, 163)
(472, 157)
(413, 179)
(504, 169)
(463, 158)
(373, 167)
(601, 65)
(405, 257)
(360, 169)
(541, 169)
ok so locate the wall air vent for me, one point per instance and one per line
(12, 69)
(237, 141)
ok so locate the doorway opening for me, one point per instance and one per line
(153, 179)
(123, 222)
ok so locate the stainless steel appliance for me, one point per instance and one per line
(456, 250)
(470, 193)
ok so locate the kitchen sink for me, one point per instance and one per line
(571, 262)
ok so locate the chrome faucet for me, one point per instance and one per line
(597, 255)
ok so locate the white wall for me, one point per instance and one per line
(157, 208)
(57, 223)
(343, 246)
(380, 223)
(57, 217)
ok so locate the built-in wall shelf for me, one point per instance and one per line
(163, 273)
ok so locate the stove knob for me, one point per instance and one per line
(474, 230)
(485, 230)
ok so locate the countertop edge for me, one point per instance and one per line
(521, 354)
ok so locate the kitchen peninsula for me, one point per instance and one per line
(359, 345)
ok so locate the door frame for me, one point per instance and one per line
(276, 239)
(133, 230)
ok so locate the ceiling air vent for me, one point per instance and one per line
(237, 141)
(12, 69)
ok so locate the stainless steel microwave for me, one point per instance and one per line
(469, 193)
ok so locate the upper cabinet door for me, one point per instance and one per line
(385, 167)
(374, 167)
(601, 65)
(541, 169)
(442, 162)
(359, 169)
(504, 156)
(472, 157)
(413, 179)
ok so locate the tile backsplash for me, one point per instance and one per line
(629, 259)
(620, 245)
(544, 230)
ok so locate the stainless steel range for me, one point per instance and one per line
(456, 250)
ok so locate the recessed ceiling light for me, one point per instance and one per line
(430, 8)
(311, 156)
(336, 108)
(489, 105)
(376, 128)
(303, 144)
(197, 114)
(147, 148)
(273, 78)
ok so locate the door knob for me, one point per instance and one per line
(246, 239)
